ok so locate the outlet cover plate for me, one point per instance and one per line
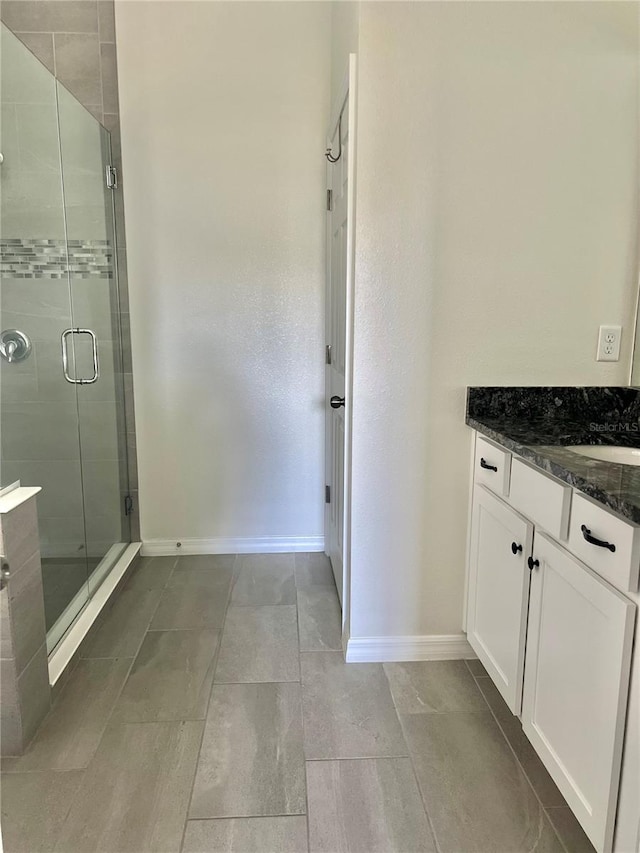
(609, 343)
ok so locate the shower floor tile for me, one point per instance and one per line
(61, 580)
(167, 754)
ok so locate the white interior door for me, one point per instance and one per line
(338, 326)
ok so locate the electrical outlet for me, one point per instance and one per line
(609, 343)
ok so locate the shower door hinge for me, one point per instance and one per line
(327, 354)
(329, 199)
(327, 494)
(5, 574)
(128, 505)
(111, 176)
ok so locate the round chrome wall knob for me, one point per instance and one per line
(14, 345)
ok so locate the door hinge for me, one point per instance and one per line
(327, 494)
(327, 354)
(111, 177)
(5, 573)
(329, 199)
(128, 505)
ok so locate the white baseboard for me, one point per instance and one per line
(258, 545)
(427, 647)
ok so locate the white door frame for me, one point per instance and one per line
(348, 90)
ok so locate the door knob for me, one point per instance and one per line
(336, 402)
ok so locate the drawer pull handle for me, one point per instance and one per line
(593, 541)
(533, 564)
(484, 464)
(515, 548)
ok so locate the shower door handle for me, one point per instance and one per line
(65, 358)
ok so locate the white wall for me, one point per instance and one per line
(496, 227)
(224, 108)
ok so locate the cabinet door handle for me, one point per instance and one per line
(484, 464)
(533, 564)
(593, 541)
(515, 548)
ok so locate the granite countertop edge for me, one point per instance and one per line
(536, 454)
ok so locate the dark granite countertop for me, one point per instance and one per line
(538, 423)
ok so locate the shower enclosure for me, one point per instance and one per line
(62, 424)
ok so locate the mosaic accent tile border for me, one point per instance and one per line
(23, 258)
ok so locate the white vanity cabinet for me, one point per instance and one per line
(501, 541)
(576, 683)
(553, 624)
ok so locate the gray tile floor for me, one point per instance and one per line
(212, 711)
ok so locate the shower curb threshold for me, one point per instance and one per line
(69, 645)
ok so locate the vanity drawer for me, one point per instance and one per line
(621, 566)
(492, 466)
(541, 498)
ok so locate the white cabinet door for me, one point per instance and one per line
(501, 541)
(627, 834)
(576, 683)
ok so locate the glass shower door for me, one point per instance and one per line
(62, 423)
(95, 332)
(40, 441)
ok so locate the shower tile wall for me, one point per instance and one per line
(75, 40)
(23, 653)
